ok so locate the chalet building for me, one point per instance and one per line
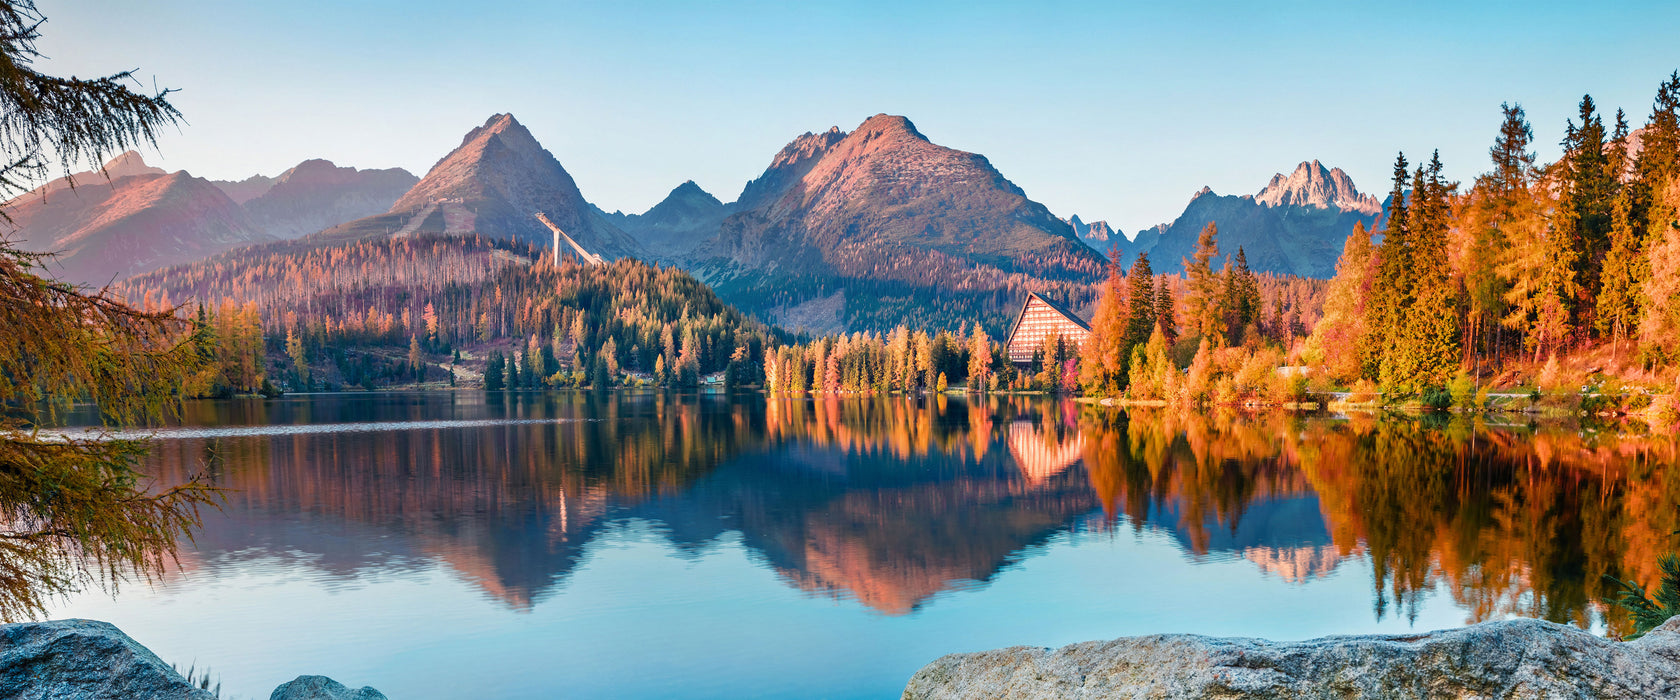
(1039, 319)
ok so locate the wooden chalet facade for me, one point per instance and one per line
(1039, 319)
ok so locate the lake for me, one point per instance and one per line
(645, 545)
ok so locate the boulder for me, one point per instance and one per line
(1513, 659)
(322, 688)
(84, 660)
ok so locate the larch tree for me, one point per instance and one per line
(979, 359)
(1202, 313)
(1103, 363)
(1337, 340)
(1659, 330)
(1539, 265)
(76, 508)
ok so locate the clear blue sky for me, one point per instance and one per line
(1101, 109)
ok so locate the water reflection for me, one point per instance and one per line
(890, 502)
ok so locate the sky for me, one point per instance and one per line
(1108, 110)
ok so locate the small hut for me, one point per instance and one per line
(1039, 319)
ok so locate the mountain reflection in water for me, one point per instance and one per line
(891, 501)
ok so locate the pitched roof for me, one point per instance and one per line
(1058, 308)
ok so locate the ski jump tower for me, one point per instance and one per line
(584, 256)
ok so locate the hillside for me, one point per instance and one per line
(1295, 225)
(357, 306)
(494, 184)
(880, 226)
(107, 230)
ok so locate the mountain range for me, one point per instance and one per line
(129, 217)
(844, 230)
(1295, 225)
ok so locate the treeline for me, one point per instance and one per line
(386, 310)
(1528, 262)
(898, 362)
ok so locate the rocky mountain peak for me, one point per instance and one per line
(129, 163)
(787, 167)
(1314, 186)
(889, 126)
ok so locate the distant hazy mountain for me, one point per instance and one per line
(1295, 225)
(880, 226)
(676, 225)
(316, 194)
(494, 184)
(245, 190)
(124, 165)
(1097, 233)
(145, 219)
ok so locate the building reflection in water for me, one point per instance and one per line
(891, 501)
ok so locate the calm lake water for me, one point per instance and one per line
(650, 546)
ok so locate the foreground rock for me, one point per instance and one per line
(93, 660)
(1511, 659)
(84, 659)
(322, 688)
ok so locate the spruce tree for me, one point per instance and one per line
(1391, 291)
(1588, 188)
(1141, 292)
(1428, 353)
(1166, 317)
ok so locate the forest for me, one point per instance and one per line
(440, 311)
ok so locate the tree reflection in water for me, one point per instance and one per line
(891, 501)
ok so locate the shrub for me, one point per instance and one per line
(1364, 391)
(1463, 390)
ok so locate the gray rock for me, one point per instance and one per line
(321, 688)
(84, 660)
(1514, 659)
